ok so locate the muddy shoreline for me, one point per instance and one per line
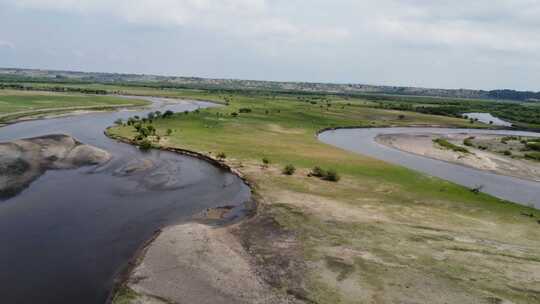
(255, 237)
(224, 187)
(60, 112)
(423, 145)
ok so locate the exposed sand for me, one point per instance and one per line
(422, 144)
(22, 161)
(197, 263)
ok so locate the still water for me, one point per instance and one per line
(362, 141)
(66, 237)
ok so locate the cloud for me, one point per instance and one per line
(6, 44)
(460, 43)
(496, 25)
(238, 18)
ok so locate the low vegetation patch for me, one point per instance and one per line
(533, 156)
(469, 141)
(533, 145)
(448, 145)
(289, 169)
(328, 175)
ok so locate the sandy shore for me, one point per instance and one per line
(422, 144)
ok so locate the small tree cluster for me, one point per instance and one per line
(289, 169)
(328, 175)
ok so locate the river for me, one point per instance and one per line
(71, 232)
(362, 141)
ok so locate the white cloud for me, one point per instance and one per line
(6, 44)
(462, 43)
(241, 18)
(496, 25)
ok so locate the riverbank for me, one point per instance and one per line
(482, 159)
(375, 235)
(101, 214)
(17, 106)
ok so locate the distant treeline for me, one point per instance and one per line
(514, 95)
(521, 114)
(24, 87)
(246, 86)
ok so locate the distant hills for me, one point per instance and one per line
(36, 75)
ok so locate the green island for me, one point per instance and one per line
(378, 233)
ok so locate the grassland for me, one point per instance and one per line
(18, 104)
(383, 233)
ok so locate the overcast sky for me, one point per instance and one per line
(484, 44)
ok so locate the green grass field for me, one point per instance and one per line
(383, 233)
(17, 104)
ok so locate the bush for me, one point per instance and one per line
(266, 161)
(331, 175)
(533, 156)
(234, 114)
(244, 110)
(318, 172)
(533, 146)
(468, 141)
(448, 145)
(289, 169)
(169, 132)
(221, 155)
(145, 145)
(507, 153)
(167, 114)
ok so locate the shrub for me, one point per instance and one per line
(221, 155)
(507, 153)
(167, 114)
(533, 156)
(169, 132)
(244, 110)
(118, 122)
(533, 145)
(468, 141)
(145, 145)
(448, 145)
(318, 172)
(234, 114)
(401, 116)
(289, 169)
(266, 161)
(331, 175)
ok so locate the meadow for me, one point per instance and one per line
(382, 233)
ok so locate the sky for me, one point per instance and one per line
(480, 44)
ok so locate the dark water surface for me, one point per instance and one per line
(66, 237)
(509, 188)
